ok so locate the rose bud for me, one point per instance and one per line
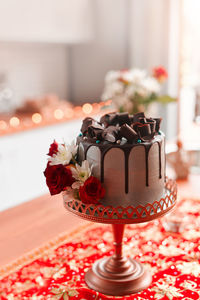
(160, 74)
(53, 148)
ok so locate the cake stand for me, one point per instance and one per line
(118, 275)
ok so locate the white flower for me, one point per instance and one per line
(112, 76)
(122, 86)
(73, 148)
(113, 89)
(128, 106)
(64, 154)
(81, 174)
(134, 76)
(189, 268)
(151, 85)
(122, 101)
(164, 289)
(132, 89)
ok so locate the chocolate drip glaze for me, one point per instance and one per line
(104, 148)
(147, 148)
(126, 158)
(159, 145)
(147, 163)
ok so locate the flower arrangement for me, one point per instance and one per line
(64, 173)
(133, 90)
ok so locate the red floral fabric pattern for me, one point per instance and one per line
(174, 260)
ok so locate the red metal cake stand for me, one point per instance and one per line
(118, 275)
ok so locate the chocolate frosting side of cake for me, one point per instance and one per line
(123, 131)
(126, 148)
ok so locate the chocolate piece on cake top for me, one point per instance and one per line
(114, 126)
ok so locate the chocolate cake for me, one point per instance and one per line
(127, 154)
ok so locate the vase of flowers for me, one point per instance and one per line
(133, 90)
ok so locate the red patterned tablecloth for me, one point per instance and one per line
(56, 271)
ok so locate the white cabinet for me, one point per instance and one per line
(23, 160)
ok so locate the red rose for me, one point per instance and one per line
(91, 191)
(160, 73)
(53, 148)
(58, 178)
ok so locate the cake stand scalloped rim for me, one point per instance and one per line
(79, 208)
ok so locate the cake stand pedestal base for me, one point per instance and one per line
(118, 275)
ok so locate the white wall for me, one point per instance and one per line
(148, 37)
(30, 54)
(34, 69)
(154, 40)
(61, 21)
(108, 50)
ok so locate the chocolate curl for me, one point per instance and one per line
(152, 124)
(158, 121)
(144, 131)
(86, 123)
(129, 133)
(109, 119)
(142, 120)
(135, 126)
(111, 134)
(123, 118)
(136, 117)
(95, 131)
(131, 118)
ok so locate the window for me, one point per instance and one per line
(190, 73)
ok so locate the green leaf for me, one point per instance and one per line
(65, 296)
(58, 296)
(165, 99)
(121, 109)
(72, 293)
(55, 291)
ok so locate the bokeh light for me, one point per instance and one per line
(14, 122)
(36, 118)
(78, 111)
(58, 114)
(69, 113)
(3, 125)
(87, 108)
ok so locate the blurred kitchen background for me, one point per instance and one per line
(54, 56)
